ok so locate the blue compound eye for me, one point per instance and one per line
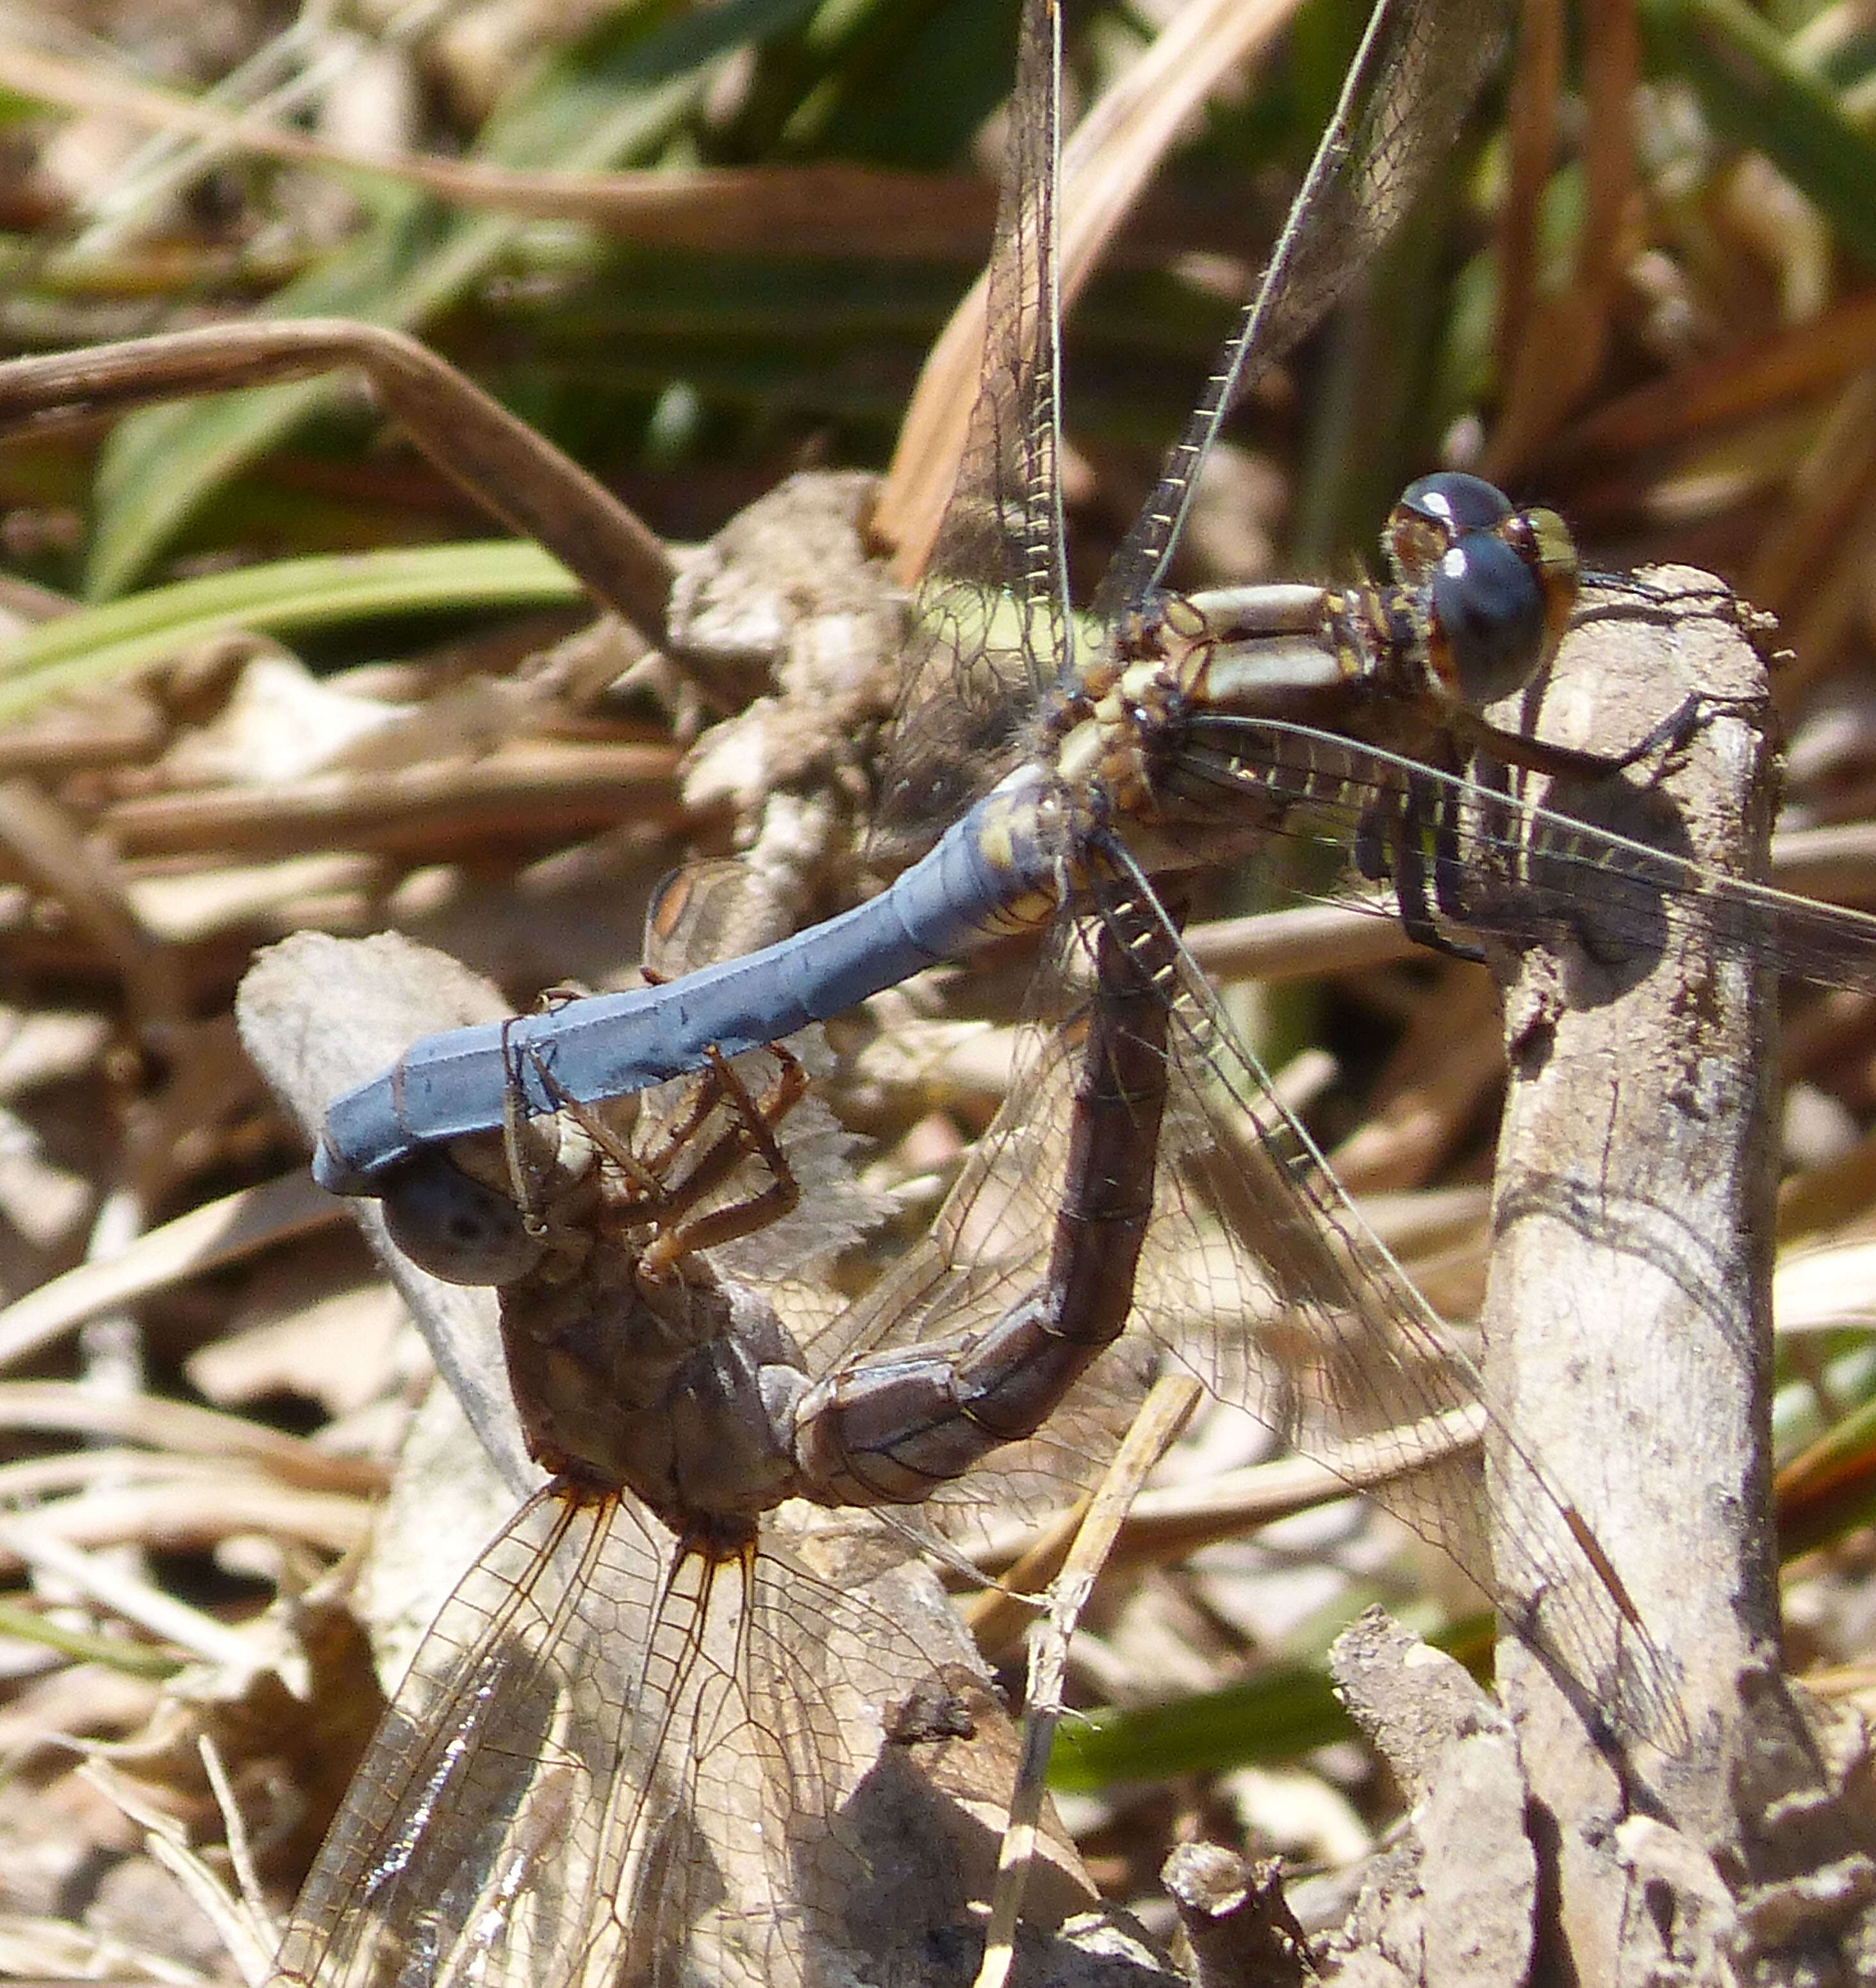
(1489, 623)
(1462, 503)
(1433, 514)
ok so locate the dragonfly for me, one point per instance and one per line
(1203, 729)
(1142, 1173)
(635, 1745)
(1198, 731)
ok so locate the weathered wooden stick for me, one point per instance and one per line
(1627, 1328)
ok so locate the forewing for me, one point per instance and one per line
(1304, 1314)
(610, 1764)
(991, 628)
(1492, 862)
(1419, 67)
(467, 1843)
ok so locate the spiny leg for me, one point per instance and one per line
(754, 1136)
(653, 1197)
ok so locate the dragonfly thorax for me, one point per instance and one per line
(1102, 763)
(679, 1389)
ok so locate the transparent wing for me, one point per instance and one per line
(493, 1752)
(1419, 65)
(1258, 1274)
(612, 1763)
(1490, 861)
(1344, 1349)
(991, 629)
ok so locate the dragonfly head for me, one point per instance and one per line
(455, 1226)
(1498, 582)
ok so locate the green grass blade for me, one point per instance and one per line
(1283, 1711)
(118, 1653)
(103, 644)
(1758, 94)
(616, 99)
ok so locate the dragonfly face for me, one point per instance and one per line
(1499, 584)
(444, 1216)
(1482, 591)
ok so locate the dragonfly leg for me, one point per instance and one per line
(489, 1211)
(1412, 840)
(1671, 734)
(679, 1132)
(753, 1134)
(638, 1189)
(482, 1209)
(719, 1084)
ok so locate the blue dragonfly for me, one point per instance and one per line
(1032, 760)
(1009, 740)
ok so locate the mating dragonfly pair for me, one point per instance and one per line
(1141, 1175)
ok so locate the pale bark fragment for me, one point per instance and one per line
(1454, 1901)
(1478, 1869)
(316, 1014)
(1413, 1701)
(1240, 1930)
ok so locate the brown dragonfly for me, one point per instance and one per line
(637, 1744)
